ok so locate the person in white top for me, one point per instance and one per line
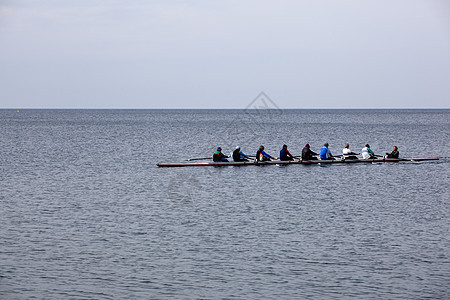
(367, 152)
(347, 153)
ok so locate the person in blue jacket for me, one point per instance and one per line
(325, 153)
(285, 154)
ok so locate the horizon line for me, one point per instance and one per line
(184, 108)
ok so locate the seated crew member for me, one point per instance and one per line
(393, 154)
(325, 153)
(285, 154)
(218, 156)
(238, 155)
(367, 153)
(347, 153)
(307, 154)
(263, 156)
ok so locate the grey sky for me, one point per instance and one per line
(221, 54)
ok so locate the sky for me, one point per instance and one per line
(222, 54)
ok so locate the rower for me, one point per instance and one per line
(263, 156)
(238, 155)
(285, 154)
(325, 153)
(218, 156)
(307, 154)
(394, 153)
(367, 153)
(347, 153)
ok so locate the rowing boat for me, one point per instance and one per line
(295, 162)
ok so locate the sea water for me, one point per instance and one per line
(86, 214)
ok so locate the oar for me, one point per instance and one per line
(200, 158)
(250, 157)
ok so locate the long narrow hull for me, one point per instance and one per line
(296, 162)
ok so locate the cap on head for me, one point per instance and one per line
(284, 146)
(326, 144)
(347, 145)
(218, 148)
(237, 147)
(307, 146)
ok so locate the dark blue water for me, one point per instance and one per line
(86, 214)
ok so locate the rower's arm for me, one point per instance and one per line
(267, 155)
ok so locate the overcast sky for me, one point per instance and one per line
(222, 54)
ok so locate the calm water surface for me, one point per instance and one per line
(84, 212)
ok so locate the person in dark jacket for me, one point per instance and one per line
(263, 156)
(285, 154)
(393, 154)
(218, 156)
(238, 155)
(307, 154)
